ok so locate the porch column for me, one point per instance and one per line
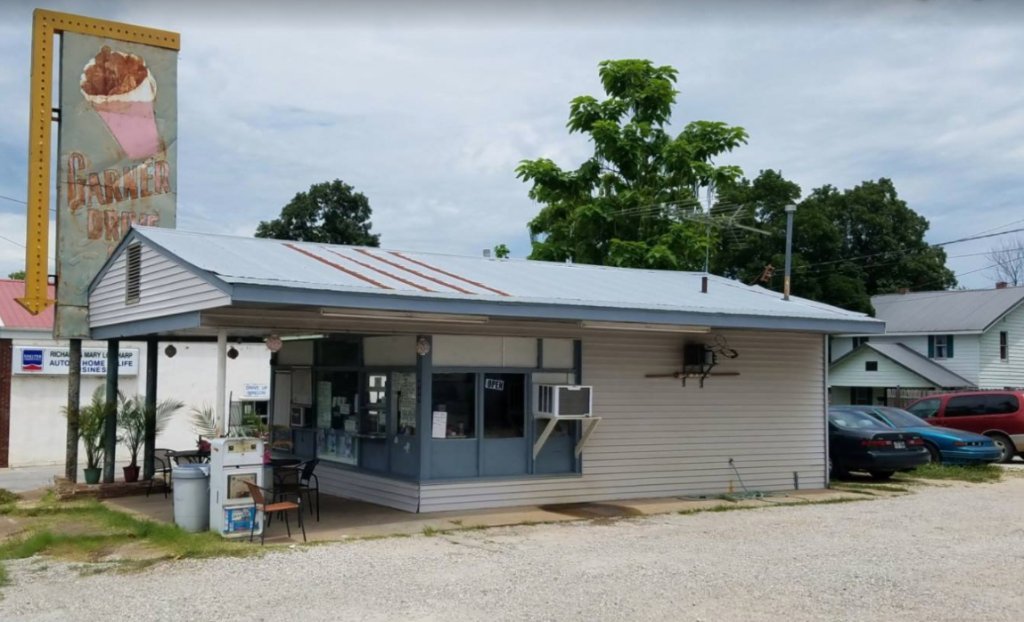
(222, 373)
(149, 444)
(110, 421)
(424, 399)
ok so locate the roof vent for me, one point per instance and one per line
(1002, 285)
(133, 274)
(487, 253)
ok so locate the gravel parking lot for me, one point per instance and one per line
(946, 552)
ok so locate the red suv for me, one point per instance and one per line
(996, 414)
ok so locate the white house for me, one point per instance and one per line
(416, 378)
(933, 341)
(33, 381)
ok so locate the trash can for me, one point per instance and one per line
(192, 497)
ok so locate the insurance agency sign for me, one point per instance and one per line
(44, 361)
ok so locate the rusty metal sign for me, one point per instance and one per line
(117, 159)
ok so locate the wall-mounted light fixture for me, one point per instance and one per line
(274, 343)
(232, 353)
(170, 350)
(423, 346)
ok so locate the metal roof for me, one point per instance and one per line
(253, 267)
(917, 363)
(971, 310)
(13, 316)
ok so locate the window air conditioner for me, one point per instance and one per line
(562, 400)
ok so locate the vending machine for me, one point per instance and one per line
(233, 462)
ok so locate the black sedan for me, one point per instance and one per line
(859, 442)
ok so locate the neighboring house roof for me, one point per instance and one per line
(914, 362)
(13, 316)
(971, 310)
(262, 271)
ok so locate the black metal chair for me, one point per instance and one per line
(299, 481)
(162, 465)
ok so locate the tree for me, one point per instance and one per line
(17, 275)
(847, 246)
(330, 212)
(1008, 262)
(501, 251)
(632, 203)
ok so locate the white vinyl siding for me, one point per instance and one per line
(166, 288)
(658, 438)
(966, 352)
(997, 373)
(351, 484)
(850, 372)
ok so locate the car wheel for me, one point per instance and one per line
(1006, 448)
(934, 456)
(881, 475)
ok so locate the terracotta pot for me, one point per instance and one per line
(92, 475)
(131, 473)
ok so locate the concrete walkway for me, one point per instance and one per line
(342, 519)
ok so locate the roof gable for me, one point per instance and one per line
(945, 312)
(910, 360)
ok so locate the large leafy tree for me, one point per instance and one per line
(634, 202)
(330, 212)
(847, 245)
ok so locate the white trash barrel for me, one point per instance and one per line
(192, 497)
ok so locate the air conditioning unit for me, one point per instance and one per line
(562, 400)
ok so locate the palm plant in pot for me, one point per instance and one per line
(91, 419)
(131, 419)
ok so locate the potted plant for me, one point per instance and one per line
(91, 419)
(131, 419)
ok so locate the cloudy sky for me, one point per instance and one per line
(427, 109)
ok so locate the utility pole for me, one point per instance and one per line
(790, 209)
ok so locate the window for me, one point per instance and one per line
(1004, 346)
(403, 402)
(940, 346)
(133, 274)
(925, 408)
(454, 397)
(870, 365)
(861, 395)
(859, 341)
(1001, 404)
(504, 405)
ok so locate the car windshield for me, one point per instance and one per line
(855, 420)
(899, 417)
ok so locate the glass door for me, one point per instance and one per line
(504, 450)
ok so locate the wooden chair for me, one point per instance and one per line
(259, 504)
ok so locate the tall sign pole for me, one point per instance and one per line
(117, 151)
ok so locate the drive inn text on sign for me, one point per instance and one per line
(54, 361)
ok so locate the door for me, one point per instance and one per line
(504, 450)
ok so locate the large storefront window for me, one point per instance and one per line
(337, 416)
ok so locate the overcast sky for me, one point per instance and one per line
(428, 109)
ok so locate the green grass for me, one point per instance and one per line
(978, 474)
(88, 531)
(7, 497)
(430, 532)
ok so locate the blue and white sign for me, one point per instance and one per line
(255, 391)
(39, 361)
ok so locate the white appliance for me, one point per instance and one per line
(562, 400)
(233, 462)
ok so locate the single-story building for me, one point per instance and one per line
(424, 381)
(34, 381)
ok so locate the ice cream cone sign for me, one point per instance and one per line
(122, 91)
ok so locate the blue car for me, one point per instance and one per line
(945, 445)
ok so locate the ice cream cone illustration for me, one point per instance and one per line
(122, 91)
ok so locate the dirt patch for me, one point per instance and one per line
(592, 510)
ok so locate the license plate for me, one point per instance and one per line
(899, 445)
